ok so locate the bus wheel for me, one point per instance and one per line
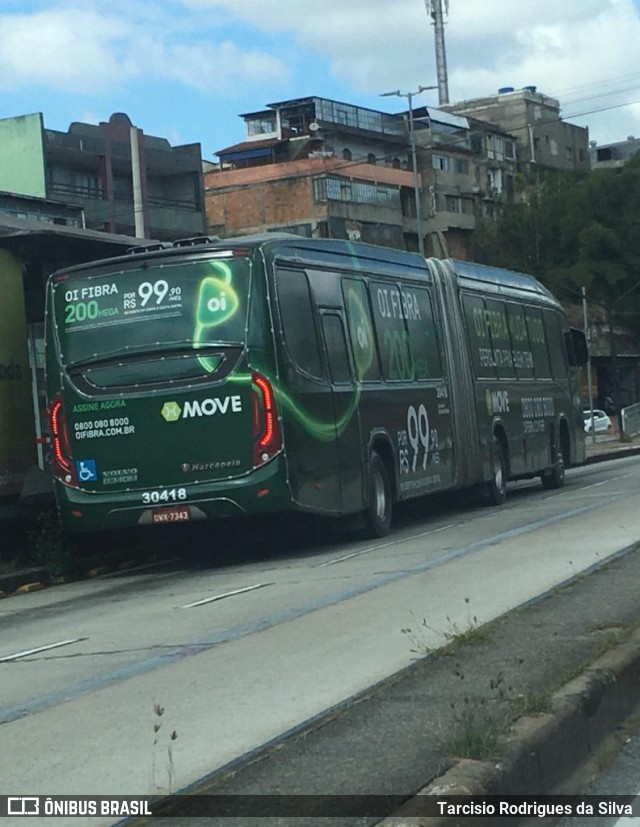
(378, 513)
(496, 488)
(553, 477)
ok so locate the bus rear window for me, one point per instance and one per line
(151, 309)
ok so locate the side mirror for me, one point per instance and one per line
(577, 349)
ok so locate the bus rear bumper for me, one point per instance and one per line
(264, 490)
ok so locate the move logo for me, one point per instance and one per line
(497, 402)
(171, 411)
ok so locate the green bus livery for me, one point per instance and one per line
(217, 378)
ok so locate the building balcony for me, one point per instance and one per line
(71, 191)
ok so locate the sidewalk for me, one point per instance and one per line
(608, 446)
(515, 710)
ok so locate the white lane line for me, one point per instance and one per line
(386, 545)
(226, 594)
(38, 649)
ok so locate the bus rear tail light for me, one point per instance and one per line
(267, 441)
(61, 461)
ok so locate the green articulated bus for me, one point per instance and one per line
(217, 378)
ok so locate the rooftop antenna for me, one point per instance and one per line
(434, 10)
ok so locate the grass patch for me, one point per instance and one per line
(531, 703)
(455, 636)
(477, 733)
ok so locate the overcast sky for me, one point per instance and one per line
(185, 69)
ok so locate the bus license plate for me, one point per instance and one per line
(171, 515)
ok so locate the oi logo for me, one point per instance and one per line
(359, 319)
(217, 302)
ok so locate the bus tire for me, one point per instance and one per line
(377, 516)
(553, 478)
(495, 491)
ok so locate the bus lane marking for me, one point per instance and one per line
(127, 671)
(26, 652)
(386, 545)
(217, 597)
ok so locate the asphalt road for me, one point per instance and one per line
(241, 653)
(622, 778)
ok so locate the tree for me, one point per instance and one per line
(573, 229)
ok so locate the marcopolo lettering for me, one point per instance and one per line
(209, 407)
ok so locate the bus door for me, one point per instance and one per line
(306, 397)
(346, 399)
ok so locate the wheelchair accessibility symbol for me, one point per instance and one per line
(86, 470)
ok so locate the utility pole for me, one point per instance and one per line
(587, 335)
(434, 10)
(136, 175)
(414, 159)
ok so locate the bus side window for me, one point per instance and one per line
(538, 340)
(336, 344)
(298, 324)
(363, 344)
(479, 339)
(500, 339)
(423, 338)
(556, 344)
(390, 331)
(258, 331)
(523, 358)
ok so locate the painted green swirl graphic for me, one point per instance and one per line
(320, 430)
(217, 302)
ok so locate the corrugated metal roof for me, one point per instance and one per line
(245, 148)
(440, 116)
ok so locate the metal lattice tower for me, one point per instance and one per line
(434, 10)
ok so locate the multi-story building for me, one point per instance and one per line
(469, 167)
(543, 138)
(613, 155)
(318, 168)
(322, 168)
(45, 210)
(125, 181)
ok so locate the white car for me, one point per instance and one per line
(601, 422)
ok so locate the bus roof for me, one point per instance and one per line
(279, 245)
(469, 272)
(328, 252)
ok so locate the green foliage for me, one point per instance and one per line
(477, 733)
(455, 635)
(571, 230)
(531, 703)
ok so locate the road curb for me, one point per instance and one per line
(544, 751)
(616, 453)
(17, 582)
